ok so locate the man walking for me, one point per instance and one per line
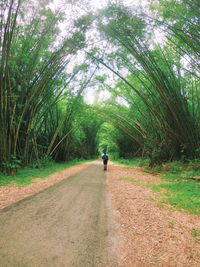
(105, 160)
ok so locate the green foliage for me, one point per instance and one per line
(183, 189)
(184, 195)
(27, 176)
(107, 139)
(140, 162)
(41, 163)
(36, 119)
(155, 187)
(181, 22)
(154, 106)
(179, 171)
(11, 165)
(161, 116)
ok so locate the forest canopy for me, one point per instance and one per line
(77, 77)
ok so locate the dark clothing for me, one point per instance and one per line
(105, 159)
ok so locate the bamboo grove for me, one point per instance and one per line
(163, 116)
(42, 110)
(37, 107)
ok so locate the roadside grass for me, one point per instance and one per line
(181, 196)
(138, 162)
(182, 190)
(183, 187)
(179, 171)
(27, 176)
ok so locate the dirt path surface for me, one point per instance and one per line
(151, 235)
(86, 220)
(64, 225)
(11, 194)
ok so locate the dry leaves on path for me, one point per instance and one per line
(151, 235)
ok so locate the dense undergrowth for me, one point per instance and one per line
(180, 182)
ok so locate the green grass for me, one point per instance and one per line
(132, 162)
(179, 171)
(25, 177)
(182, 190)
(180, 195)
(185, 195)
(154, 187)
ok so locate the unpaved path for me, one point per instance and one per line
(11, 194)
(64, 225)
(72, 223)
(152, 234)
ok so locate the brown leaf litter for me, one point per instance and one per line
(150, 235)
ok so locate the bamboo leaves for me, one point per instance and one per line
(168, 109)
(31, 73)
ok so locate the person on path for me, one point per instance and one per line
(105, 160)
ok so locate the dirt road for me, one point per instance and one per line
(65, 225)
